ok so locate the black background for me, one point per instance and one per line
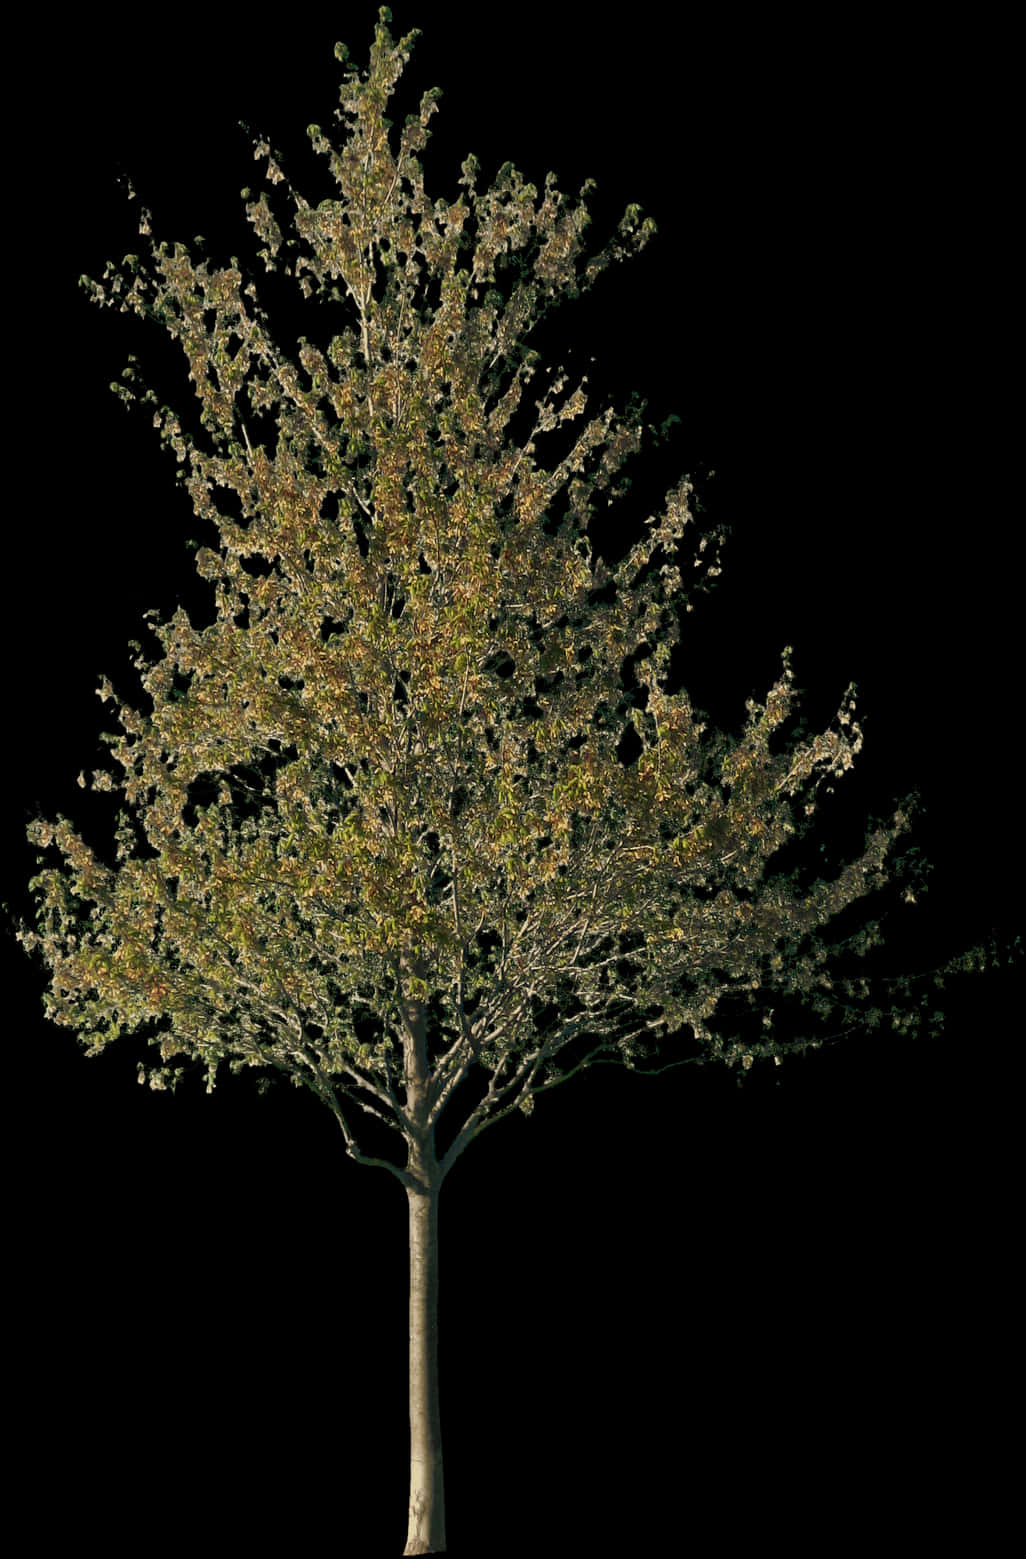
(669, 1307)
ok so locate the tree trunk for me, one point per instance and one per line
(427, 1496)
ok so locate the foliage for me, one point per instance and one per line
(423, 799)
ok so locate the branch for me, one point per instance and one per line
(319, 1085)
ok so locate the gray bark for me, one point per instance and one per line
(423, 1181)
(426, 1534)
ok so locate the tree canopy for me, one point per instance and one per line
(427, 797)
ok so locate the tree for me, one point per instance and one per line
(424, 802)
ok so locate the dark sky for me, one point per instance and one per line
(825, 309)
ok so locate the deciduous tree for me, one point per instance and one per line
(425, 801)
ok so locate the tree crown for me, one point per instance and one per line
(423, 797)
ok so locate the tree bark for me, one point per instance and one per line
(426, 1534)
